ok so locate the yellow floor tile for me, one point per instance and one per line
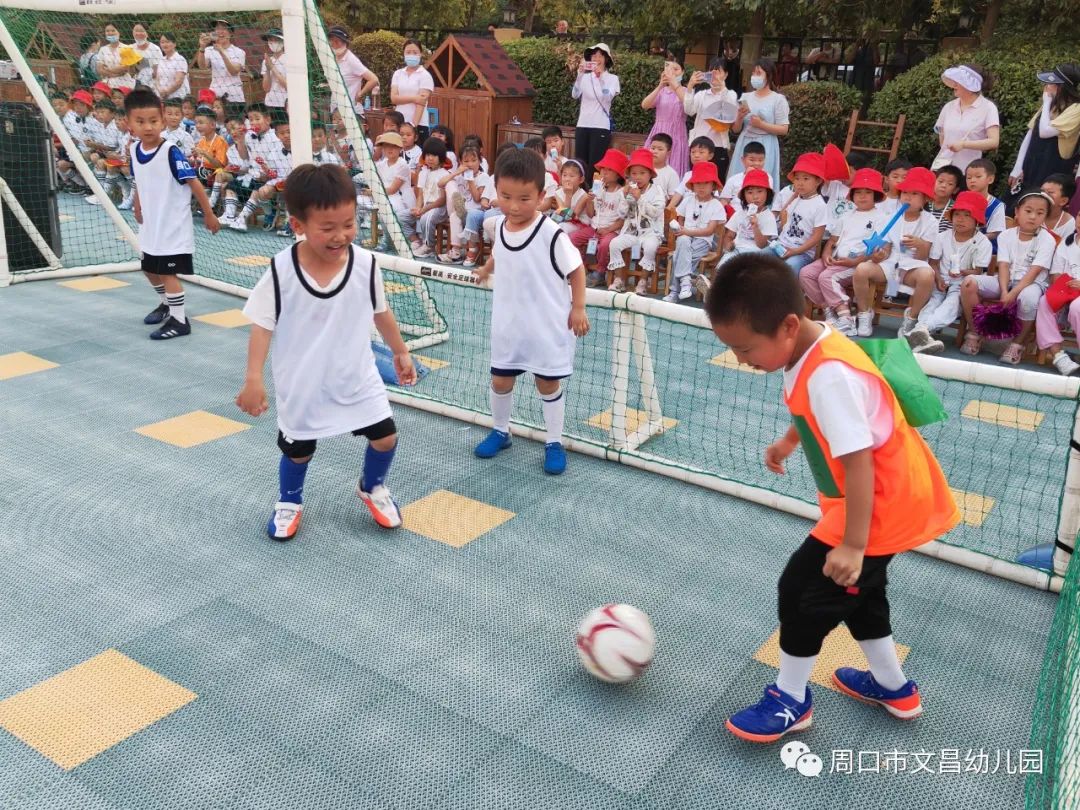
(394, 288)
(249, 261)
(634, 419)
(75, 715)
(94, 284)
(227, 319)
(432, 363)
(452, 519)
(17, 364)
(1004, 415)
(839, 650)
(191, 429)
(727, 360)
(974, 508)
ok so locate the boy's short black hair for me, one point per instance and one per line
(139, 99)
(898, 163)
(524, 165)
(1067, 183)
(189, 100)
(278, 117)
(175, 103)
(237, 117)
(258, 107)
(985, 164)
(105, 104)
(551, 132)
(664, 138)
(395, 116)
(953, 172)
(753, 148)
(504, 147)
(701, 142)
(205, 112)
(316, 124)
(536, 145)
(855, 160)
(757, 289)
(311, 186)
(448, 133)
(433, 146)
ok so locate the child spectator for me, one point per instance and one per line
(895, 172)
(321, 153)
(258, 146)
(430, 207)
(220, 113)
(75, 122)
(165, 185)
(666, 177)
(957, 253)
(643, 226)
(824, 281)
(102, 138)
(101, 92)
(459, 196)
(446, 135)
(835, 193)
(318, 303)
(881, 491)
(702, 149)
(392, 121)
(753, 225)
(553, 146)
(409, 150)
(906, 260)
(569, 204)
(187, 107)
(838, 174)
(121, 160)
(276, 164)
(948, 181)
(701, 218)
(1060, 188)
(609, 210)
(174, 129)
(552, 181)
(980, 175)
(235, 165)
(397, 180)
(475, 140)
(211, 152)
(538, 306)
(1047, 320)
(803, 214)
(478, 202)
(1025, 256)
(753, 157)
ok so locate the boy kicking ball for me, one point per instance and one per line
(880, 488)
(538, 306)
(318, 301)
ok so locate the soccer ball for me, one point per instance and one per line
(616, 643)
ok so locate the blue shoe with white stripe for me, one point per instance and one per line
(554, 458)
(903, 703)
(775, 715)
(490, 447)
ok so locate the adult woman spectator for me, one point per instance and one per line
(1050, 145)
(359, 80)
(596, 87)
(89, 45)
(151, 54)
(274, 85)
(410, 89)
(109, 67)
(763, 117)
(707, 105)
(225, 60)
(171, 75)
(968, 125)
(670, 116)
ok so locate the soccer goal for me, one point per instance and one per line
(56, 232)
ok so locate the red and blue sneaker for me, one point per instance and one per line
(903, 703)
(775, 715)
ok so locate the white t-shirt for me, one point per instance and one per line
(76, 126)
(697, 214)
(1022, 256)
(855, 226)
(108, 56)
(732, 188)
(610, 207)
(168, 68)
(412, 156)
(182, 138)
(597, 93)
(226, 85)
(955, 125)
(105, 134)
(740, 225)
(278, 93)
(265, 146)
(352, 71)
(410, 84)
(668, 179)
(404, 199)
(165, 199)
(803, 216)
(1065, 226)
(427, 182)
(849, 406)
(151, 55)
(561, 204)
(888, 206)
(1067, 259)
(995, 220)
(955, 256)
(834, 190)
(925, 227)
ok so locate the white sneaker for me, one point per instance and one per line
(686, 290)
(907, 325)
(1065, 364)
(845, 325)
(640, 289)
(918, 338)
(422, 251)
(830, 318)
(864, 324)
(381, 506)
(93, 200)
(285, 522)
(617, 286)
(238, 224)
(672, 297)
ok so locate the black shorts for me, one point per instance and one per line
(517, 372)
(302, 448)
(179, 263)
(244, 192)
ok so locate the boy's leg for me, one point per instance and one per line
(174, 296)
(231, 202)
(866, 275)
(161, 311)
(292, 469)
(553, 402)
(682, 263)
(921, 280)
(502, 404)
(382, 444)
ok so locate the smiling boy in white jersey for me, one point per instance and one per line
(318, 301)
(538, 306)
(162, 207)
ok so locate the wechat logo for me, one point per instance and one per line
(798, 756)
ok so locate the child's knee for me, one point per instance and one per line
(502, 385)
(547, 387)
(385, 443)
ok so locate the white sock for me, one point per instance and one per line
(794, 675)
(230, 207)
(215, 193)
(176, 307)
(884, 664)
(249, 207)
(501, 405)
(160, 290)
(554, 415)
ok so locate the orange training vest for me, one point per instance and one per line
(912, 500)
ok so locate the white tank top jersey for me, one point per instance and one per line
(165, 199)
(325, 379)
(531, 305)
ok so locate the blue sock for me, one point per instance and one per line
(291, 477)
(376, 466)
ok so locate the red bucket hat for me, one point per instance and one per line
(810, 163)
(974, 204)
(756, 178)
(870, 180)
(704, 172)
(836, 165)
(103, 87)
(615, 160)
(642, 158)
(921, 180)
(83, 96)
(207, 96)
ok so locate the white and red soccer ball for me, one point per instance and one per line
(616, 643)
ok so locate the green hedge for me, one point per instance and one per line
(819, 115)
(920, 94)
(380, 51)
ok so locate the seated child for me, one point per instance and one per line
(949, 180)
(753, 226)
(321, 152)
(235, 165)
(174, 127)
(553, 146)
(980, 176)
(1047, 321)
(446, 135)
(701, 218)
(1025, 256)
(1061, 189)
(753, 157)
(430, 208)
(643, 226)
(957, 253)
(895, 172)
(75, 122)
(187, 107)
(906, 260)
(102, 138)
(666, 177)
(803, 213)
(480, 205)
(608, 210)
(568, 206)
(119, 165)
(474, 140)
(410, 150)
(836, 192)
(211, 152)
(460, 201)
(551, 180)
(258, 146)
(823, 281)
(702, 149)
(278, 165)
(397, 180)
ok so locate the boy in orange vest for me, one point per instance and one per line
(880, 489)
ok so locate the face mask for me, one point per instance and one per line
(412, 59)
(112, 38)
(757, 82)
(277, 47)
(341, 51)
(140, 40)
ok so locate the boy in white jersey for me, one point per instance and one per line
(318, 302)
(538, 305)
(165, 183)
